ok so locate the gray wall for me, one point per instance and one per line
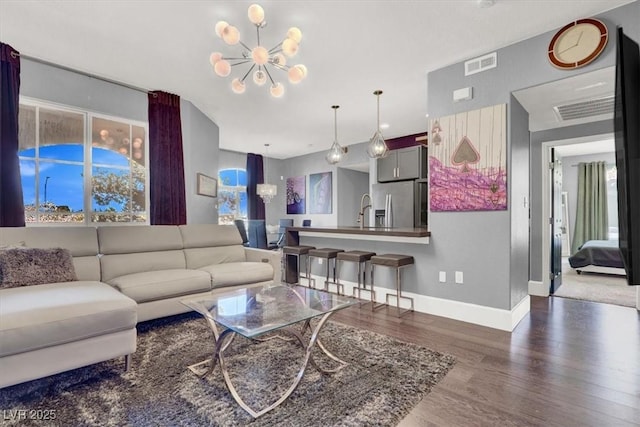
(480, 243)
(518, 202)
(200, 135)
(570, 179)
(604, 127)
(200, 144)
(351, 185)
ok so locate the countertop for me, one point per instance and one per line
(371, 231)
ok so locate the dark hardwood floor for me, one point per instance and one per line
(568, 363)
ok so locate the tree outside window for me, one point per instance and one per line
(232, 195)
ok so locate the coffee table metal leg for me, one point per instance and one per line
(221, 345)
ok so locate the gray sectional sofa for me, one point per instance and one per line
(125, 274)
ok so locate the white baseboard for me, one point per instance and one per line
(491, 317)
(538, 289)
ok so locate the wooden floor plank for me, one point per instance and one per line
(568, 362)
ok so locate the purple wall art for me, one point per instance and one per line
(296, 189)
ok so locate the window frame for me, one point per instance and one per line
(87, 164)
(237, 189)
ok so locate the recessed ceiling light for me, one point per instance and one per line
(591, 86)
(384, 125)
(426, 115)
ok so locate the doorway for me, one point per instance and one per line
(593, 282)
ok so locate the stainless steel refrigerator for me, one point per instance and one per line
(394, 204)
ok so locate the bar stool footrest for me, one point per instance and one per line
(400, 311)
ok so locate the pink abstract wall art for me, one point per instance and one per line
(467, 161)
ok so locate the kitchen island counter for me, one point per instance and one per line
(380, 234)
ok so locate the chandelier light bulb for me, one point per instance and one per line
(238, 86)
(303, 69)
(259, 77)
(279, 59)
(256, 14)
(277, 90)
(220, 26)
(231, 35)
(295, 74)
(260, 55)
(222, 68)
(289, 47)
(295, 34)
(215, 57)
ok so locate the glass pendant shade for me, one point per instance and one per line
(259, 77)
(335, 154)
(222, 68)
(377, 147)
(231, 35)
(238, 86)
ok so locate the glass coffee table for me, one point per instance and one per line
(282, 311)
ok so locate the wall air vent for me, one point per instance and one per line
(482, 63)
(588, 108)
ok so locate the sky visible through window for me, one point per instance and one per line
(64, 185)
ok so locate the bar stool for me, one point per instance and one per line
(297, 251)
(327, 254)
(396, 262)
(361, 258)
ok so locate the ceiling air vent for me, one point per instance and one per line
(582, 109)
(480, 64)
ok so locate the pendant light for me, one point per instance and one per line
(377, 148)
(266, 191)
(336, 153)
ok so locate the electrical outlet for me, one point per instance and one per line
(459, 278)
(443, 277)
(320, 261)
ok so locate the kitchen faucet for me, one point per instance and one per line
(363, 208)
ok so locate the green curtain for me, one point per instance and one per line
(592, 221)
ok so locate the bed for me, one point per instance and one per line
(600, 256)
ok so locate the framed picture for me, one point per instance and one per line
(320, 193)
(207, 186)
(296, 189)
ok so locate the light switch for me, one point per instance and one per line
(459, 278)
(443, 277)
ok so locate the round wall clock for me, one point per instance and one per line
(578, 43)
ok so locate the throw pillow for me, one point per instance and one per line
(35, 266)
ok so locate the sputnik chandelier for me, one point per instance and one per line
(259, 58)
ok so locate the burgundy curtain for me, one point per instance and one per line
(11, 202)
(166, 165)
(255, 176)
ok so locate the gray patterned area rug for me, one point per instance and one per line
(385, 378)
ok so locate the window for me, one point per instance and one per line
(232, 195)
(80, 167)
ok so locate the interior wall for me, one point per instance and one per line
(519, 202)
(570, 179)
(351, 185)
(200, 145)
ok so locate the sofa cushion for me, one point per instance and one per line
(161, 284)
(42, 316)
(209, 235)
(35, 266)
(202, 257)
(238, 273)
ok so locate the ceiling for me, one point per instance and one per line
(580, 149)
(350, 48)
